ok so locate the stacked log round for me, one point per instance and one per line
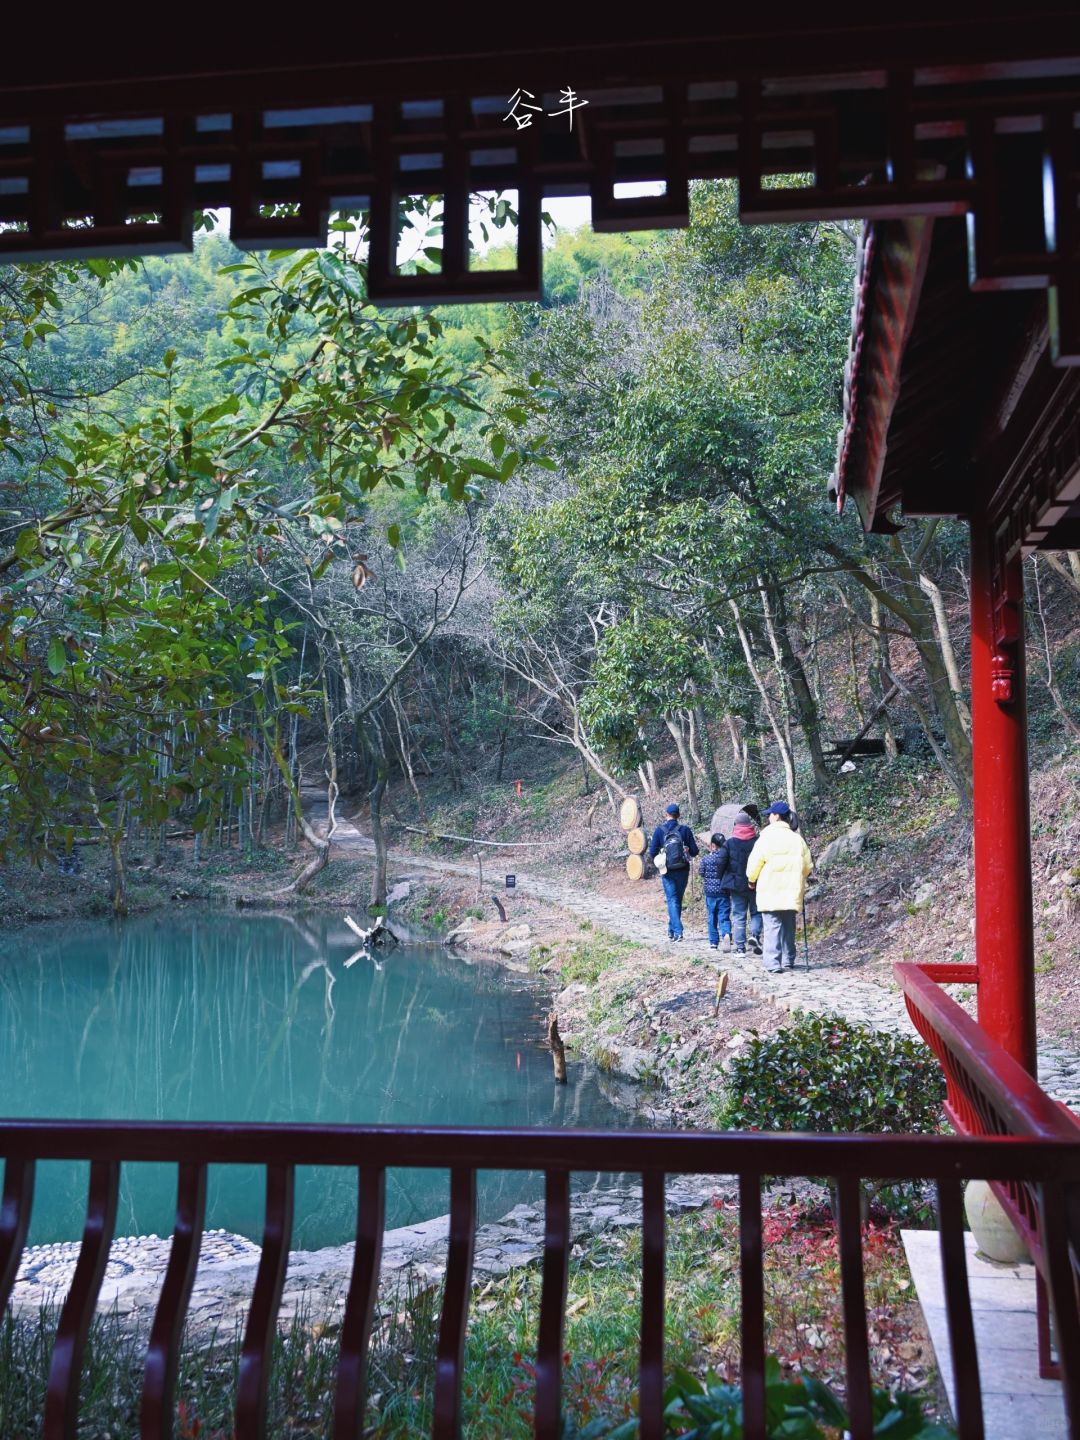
(630, 814)
(637, 841)
(636, 866)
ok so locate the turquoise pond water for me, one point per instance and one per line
(257, 1019)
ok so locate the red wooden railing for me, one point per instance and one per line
(990, 1094)
(1049, 1169)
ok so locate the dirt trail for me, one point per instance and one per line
(821, 988)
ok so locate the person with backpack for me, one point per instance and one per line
(679, 847)
(738, 888)
(711, 868)
(778, 866)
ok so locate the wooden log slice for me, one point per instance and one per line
(636, 865)
(636, 841)
(630, 814)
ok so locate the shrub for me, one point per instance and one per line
(828, 1074)
(803, 1408)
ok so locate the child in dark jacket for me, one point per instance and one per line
(739, 891)
(717, 900)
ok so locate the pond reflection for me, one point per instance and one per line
(257, 1018)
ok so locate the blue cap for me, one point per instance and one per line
(672, 809)
(779, 807)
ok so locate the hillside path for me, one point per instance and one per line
(820, 989)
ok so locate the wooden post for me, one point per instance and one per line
(1004, 942)
(558, 1049)
(480, 872)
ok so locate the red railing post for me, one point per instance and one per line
(549, 1347)
(651, 1385)
(65, 1369)
(360, 1305)
(1004, 946)
(457, 1289)
(257, 1352)
(15, 1206)
(752, 1291)
(163, 1352)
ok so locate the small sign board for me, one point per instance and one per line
(511, 882)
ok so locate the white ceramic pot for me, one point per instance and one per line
(994, 1232)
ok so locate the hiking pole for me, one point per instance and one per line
(805, 942)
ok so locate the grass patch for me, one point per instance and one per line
(586, 960)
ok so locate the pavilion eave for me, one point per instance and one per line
(952, 402)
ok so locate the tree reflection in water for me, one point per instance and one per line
(256, 1018)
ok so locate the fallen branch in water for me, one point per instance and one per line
(379, 934)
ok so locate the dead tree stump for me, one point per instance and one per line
(558, 1049)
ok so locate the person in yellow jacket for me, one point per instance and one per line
(777, 867)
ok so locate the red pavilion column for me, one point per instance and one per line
(1004, 942)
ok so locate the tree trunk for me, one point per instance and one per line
(924, 632)
(713, 787)
(114, 836)
(948, 654)
(1070, 575)
(1048, 656)
(321, 847)
(915, 612)
(589, 755)
(378, 834)
(405, 750)
(759, 765)
(767, 705)
(504, 731)
(676, 728)
(774, 646)
(738, 744)
(331, 771)
(879, 672)
(806, 708)
(317, 863)
(117, 874)
(813, 650)
(586, 776)
(647, 773)
(853, 662)
(956, 737)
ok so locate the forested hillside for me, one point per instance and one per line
(261, 539)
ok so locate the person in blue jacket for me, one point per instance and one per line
(679, 847)
(712, 868)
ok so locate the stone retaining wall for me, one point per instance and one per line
(317, 1280)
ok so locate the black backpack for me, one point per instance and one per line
(675, 855)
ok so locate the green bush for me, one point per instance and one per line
(828, 1074)
(799, 1409)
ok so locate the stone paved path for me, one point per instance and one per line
(821, 989)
